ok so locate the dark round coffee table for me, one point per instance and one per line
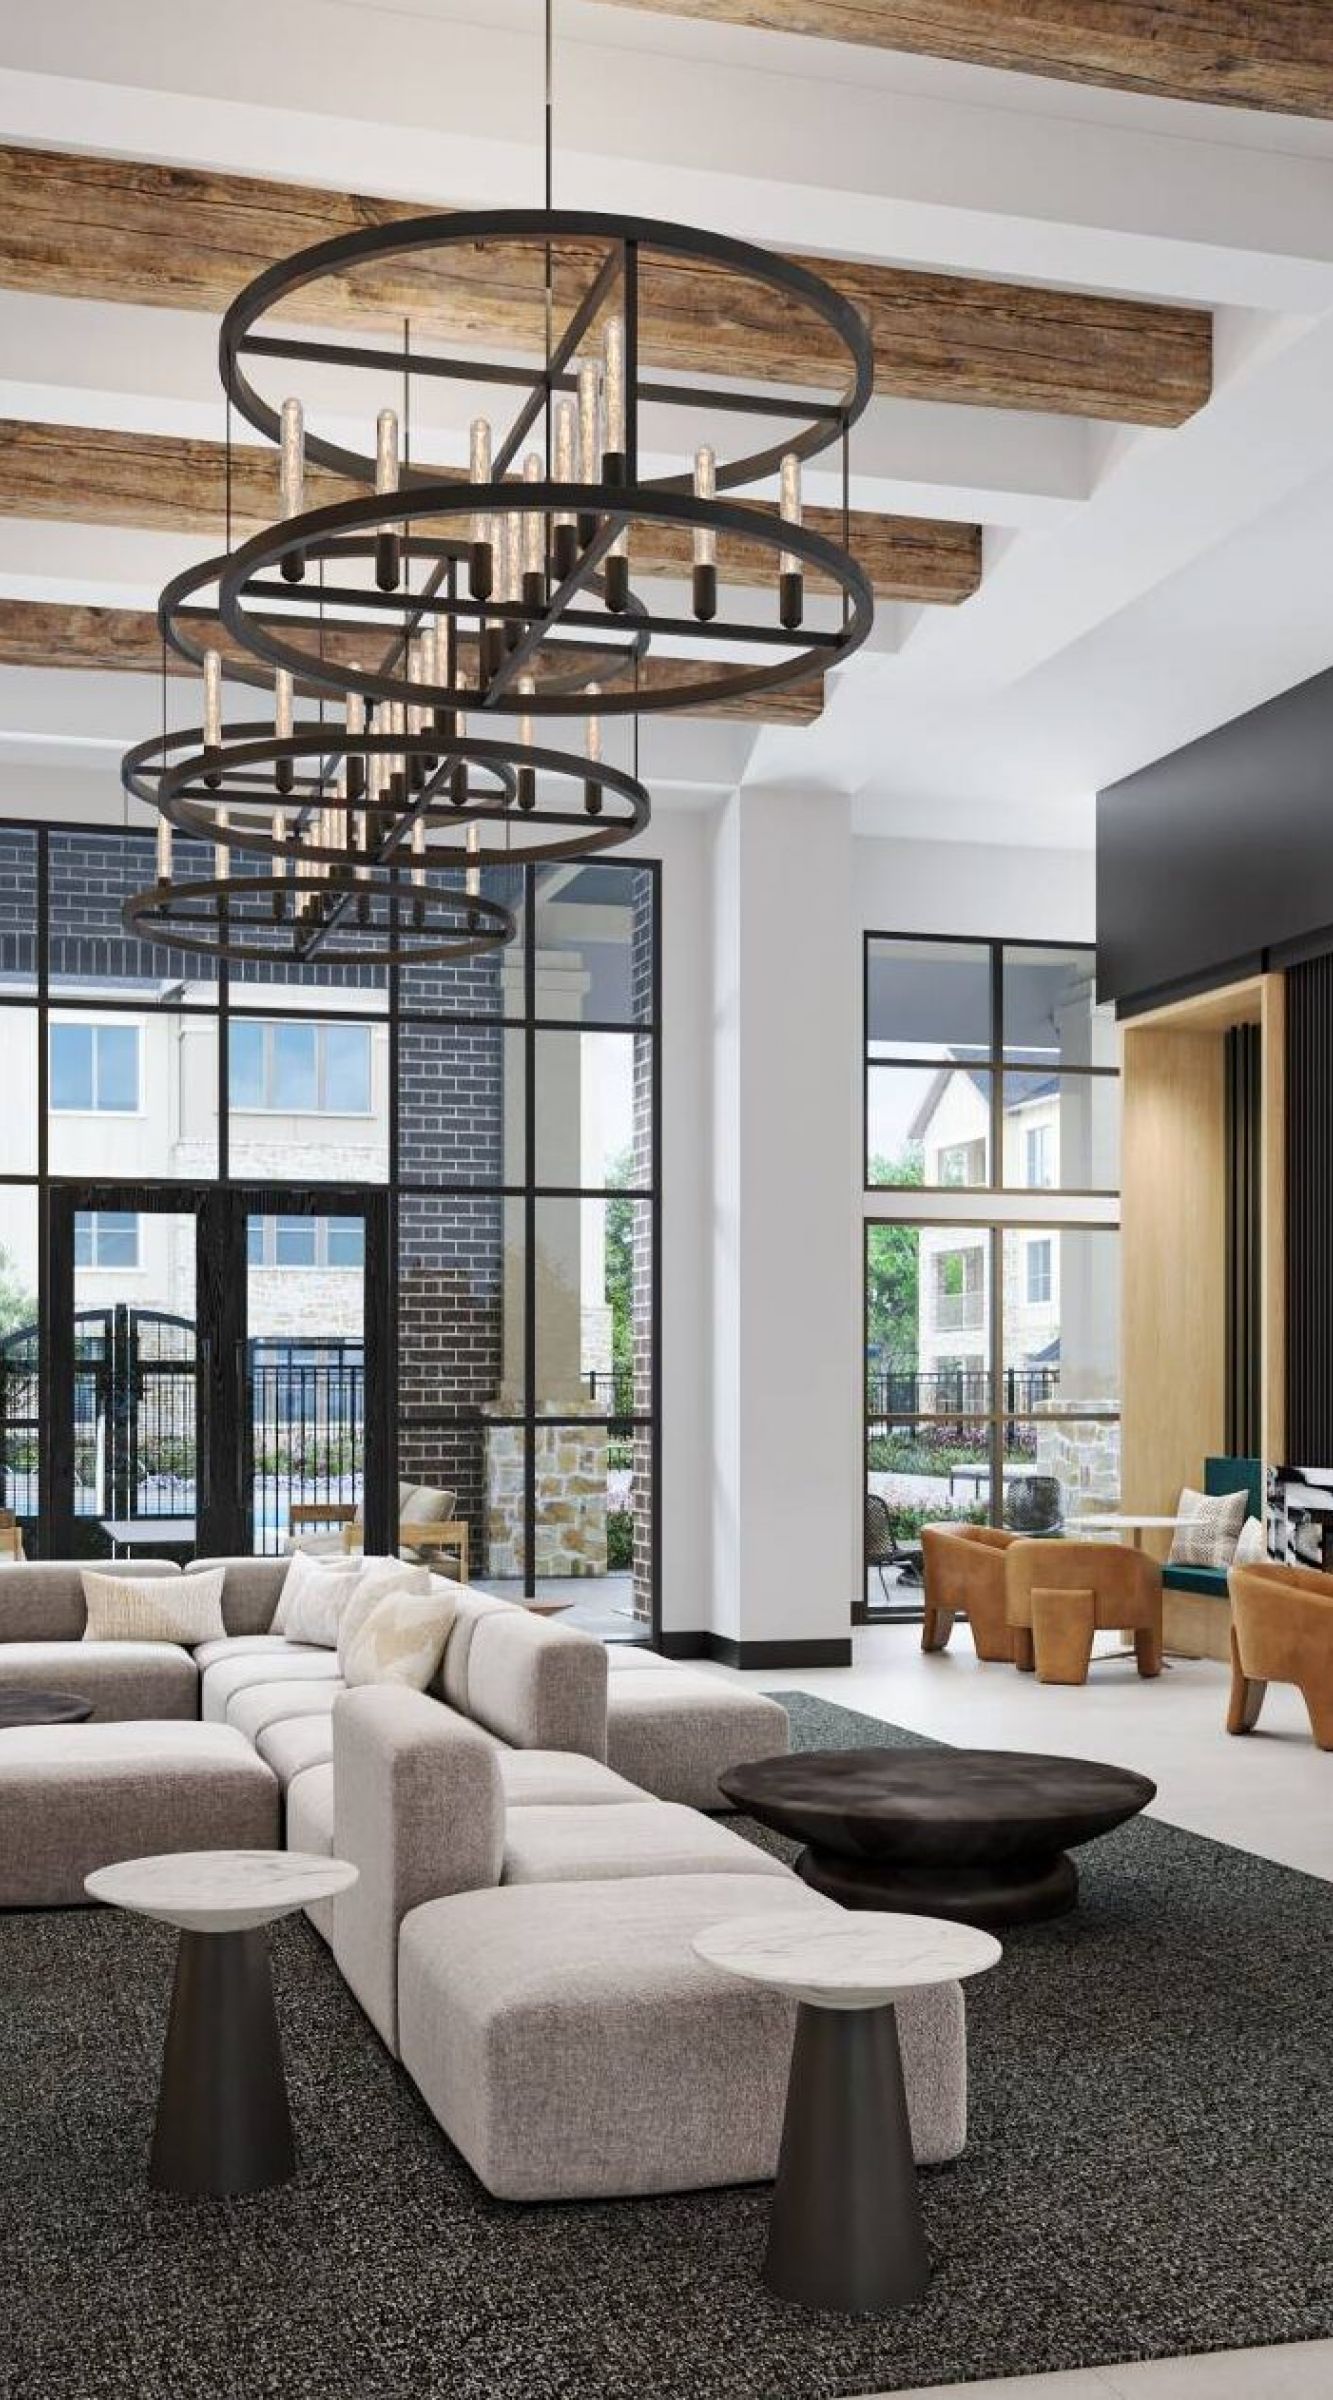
(981, 1836)
(42, 1708)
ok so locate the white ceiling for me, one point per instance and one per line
(1140, 586)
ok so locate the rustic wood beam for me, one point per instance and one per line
(1270, 54)
(109, 229)
(125, 641)
(165, 484)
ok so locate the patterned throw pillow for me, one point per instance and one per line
(401, 1641)
(1252, 1545)
(378, 1577)
(160, 1608)
(1208, 1529)
(315, 1591)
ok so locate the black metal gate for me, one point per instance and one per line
(135, 1414)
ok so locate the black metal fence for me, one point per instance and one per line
(895, 1397)
(308, 1414)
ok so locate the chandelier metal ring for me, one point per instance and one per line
(215, 918)
(702, 686)
(626, 240)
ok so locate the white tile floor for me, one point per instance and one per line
(1271, 1793)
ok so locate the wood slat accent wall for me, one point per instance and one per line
(1309, 1281)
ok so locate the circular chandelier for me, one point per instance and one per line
(434, 616)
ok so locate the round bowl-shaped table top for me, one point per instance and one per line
(845, 1960)
(220, 1891)
(43, 1708)
(937, 1806)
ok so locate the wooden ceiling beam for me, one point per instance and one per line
(110, 229)
(1269, 54)
(125, 641)
(165, 484)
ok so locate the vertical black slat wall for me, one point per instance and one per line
(1310, 1213)
(1244, 1247)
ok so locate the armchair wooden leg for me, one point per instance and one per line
(936, 1627)
(1063, 1624)
(1320, 1706)
(1247, 1696)
(1148, 1649)
(1025, 1657)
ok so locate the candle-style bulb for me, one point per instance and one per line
(527, 776)
(614, 463)
(590, 438)
(164, 849)
(564, 538)
(473, 873)
(592, 789)
(212, 717)
(386, 481)
(791, 593)
(221, 850)
(534, 540)
(284, 773)
(291, 480)
(481, 553)
(705, 537)
(458, 778)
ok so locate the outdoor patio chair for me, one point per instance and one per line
(419, 1537)
(883, 1548)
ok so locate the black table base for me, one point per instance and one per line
(1020, 1891)
(223, 2124)
(845, 2227)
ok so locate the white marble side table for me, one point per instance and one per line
(845, 2226)
(223, 2123)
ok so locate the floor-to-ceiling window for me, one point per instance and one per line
(505, 1109)
(991, 1244)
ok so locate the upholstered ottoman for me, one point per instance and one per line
(75, 1797)
(675, 1729)
(573, 2046)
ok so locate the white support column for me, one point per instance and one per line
(786, 1227)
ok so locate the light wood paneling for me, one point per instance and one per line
(176, 237)
(1274, 54)
(1273, 1170)
(165, 483)
(125, 641)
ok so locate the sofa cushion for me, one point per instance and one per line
(628, 1658)
(77, 1797)
(1212, 1580)
(41, 1600)
(231, 1675)
(570, 1844)
(248, 1645)
(469, 1609)
(264, 1704)
(291, 1745)
(675, 1729)
(1207, 1526)
(401, 1641)
(573, 2046)
(315, 1592)
(377, 1579)
(154, 1608)
(121, 1679)
(538, 1685)
(559, 1778)
(310, 1814)
(251, 1590)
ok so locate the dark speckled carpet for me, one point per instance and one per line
(1150, 2170)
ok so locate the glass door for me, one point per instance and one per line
(220, 1370)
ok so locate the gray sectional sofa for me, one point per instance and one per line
(533, 1858)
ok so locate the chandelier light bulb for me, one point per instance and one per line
(473, 872)
(164, 849)
(590, 438)
(527, 776)
(791, 595)
(221, 852)
(565, 535)
(356, 726)
(212, 716)
(513, 575)
(386, 481)
(458, 779)
(592, 789)
(284, 773)
(705, 538)
(481, 554)
(614, 462)
(291, 480)
(534, 540)
(419, 852)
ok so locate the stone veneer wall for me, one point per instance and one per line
(1084, 1457)
(570, 1466)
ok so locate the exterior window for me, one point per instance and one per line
(1038, 1273)
(95, 1069)
(299, 1069)
(106, 1238)
(963, 1163)
(959, 1291)
(306, 1242)
(1038, 1162)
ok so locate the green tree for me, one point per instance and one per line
(18, 1306)
(620, 1270)
(893, 1271)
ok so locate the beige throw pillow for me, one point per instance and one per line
(401, 1641)
(315, 1591)
(158, 1608)
(1251, 1545)
(1208, 1528)
(378, 1577)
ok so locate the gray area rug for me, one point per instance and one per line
(1149, 2170)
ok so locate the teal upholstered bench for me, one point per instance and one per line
(1220, 1475)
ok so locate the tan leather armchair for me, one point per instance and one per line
(1059, 1593)
(1281, 1632)
(963, 1573)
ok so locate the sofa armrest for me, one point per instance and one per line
(418, 1808)
(537, 1685)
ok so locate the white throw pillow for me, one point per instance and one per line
(401, 1641)
(315, 1591)
(378, 1577)
(158, 1608)
(1208, 1529)
(1251, 1545)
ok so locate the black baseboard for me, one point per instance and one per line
(834, 1652)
